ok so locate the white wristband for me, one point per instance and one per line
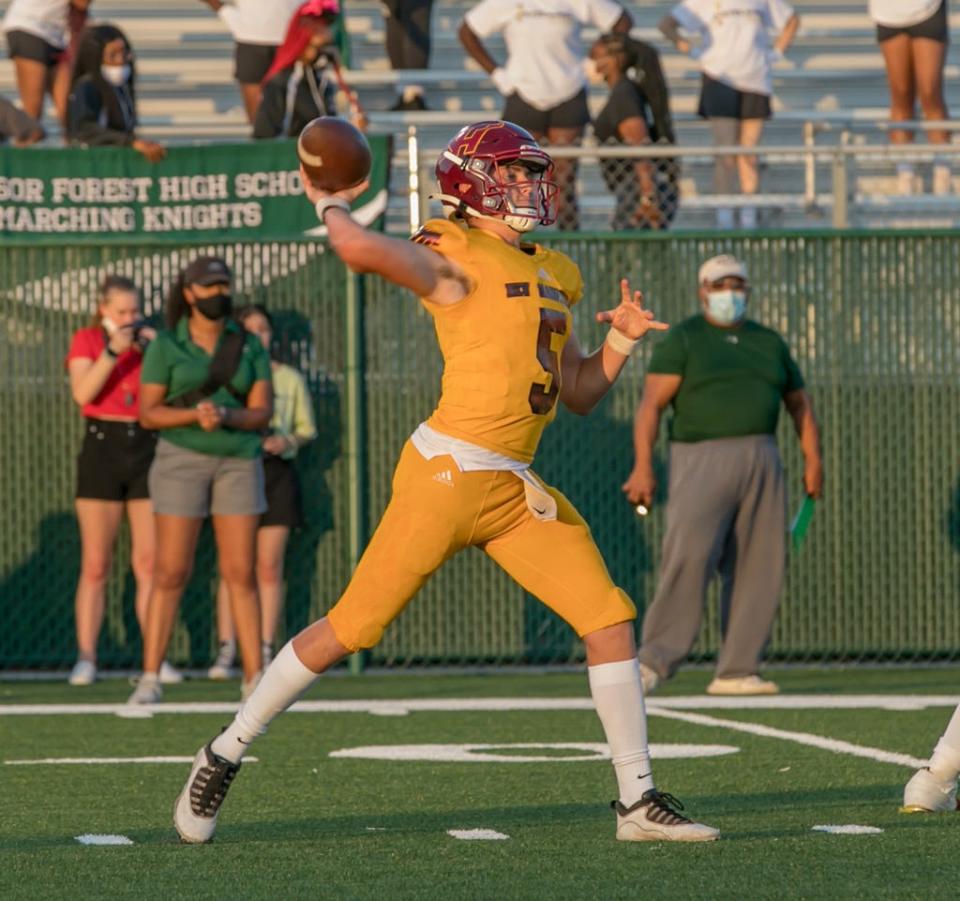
(620, 342)
(326, 203)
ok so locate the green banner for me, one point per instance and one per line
(208, 191)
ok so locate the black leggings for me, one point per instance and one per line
(408, 33)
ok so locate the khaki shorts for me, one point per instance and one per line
(185, 483)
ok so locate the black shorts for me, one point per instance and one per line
(572, 113)
(934, 28)
(114, 460)
(251, 61)
(723, 101)
(283, 493)
(25, 45)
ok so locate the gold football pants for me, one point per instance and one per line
(435, 511)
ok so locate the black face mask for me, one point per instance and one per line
(216, 307)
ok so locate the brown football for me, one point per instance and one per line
(334, 153)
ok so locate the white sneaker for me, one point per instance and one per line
(743, 685)
(266, 655)
(924, 793)
(197, 806)
(247, 686)
(748, 217)
(170, 675)
(148, 691)
(656, 817)
(650, 679)
(224, 666)
(84, 672)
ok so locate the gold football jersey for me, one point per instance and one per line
(502, 343)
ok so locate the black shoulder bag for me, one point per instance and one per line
(223, 367)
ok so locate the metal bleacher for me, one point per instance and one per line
(833, 72)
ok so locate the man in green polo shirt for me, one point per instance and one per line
(725, 377)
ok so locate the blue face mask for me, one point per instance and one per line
(726, 307)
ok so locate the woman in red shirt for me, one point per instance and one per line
(104, 364)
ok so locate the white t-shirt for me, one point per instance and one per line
(46, 19)
(735, 41)
(902, 13)
(545, 53)
(258, 21)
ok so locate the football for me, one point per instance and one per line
(334, 153)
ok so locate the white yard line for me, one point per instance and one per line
(56, 761)
(801, 738)
(401, 707)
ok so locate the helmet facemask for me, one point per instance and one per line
(520, 192)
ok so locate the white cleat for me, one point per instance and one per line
(743, 685)
(224, 667)
(148, 691)
(924, 793)
(650, 679)
(196, 809)
(656, 817)
(84, 672)
(169, 675)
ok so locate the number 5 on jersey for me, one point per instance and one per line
(543, 397)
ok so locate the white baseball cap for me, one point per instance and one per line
(720, 267)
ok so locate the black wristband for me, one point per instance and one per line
(110, 352)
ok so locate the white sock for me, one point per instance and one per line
(618, 696)
(945, 762)
(283, 682)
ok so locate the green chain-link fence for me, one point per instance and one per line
(872, 318)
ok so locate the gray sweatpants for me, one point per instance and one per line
(726, 513)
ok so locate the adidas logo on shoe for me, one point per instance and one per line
(444, 478)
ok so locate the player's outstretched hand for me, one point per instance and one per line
(630, 318)
(314, 193)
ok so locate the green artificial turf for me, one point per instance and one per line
(300, 824)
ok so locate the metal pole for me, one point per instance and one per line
(355, 390)
(413, 177)
(841, 185)
(810, 166)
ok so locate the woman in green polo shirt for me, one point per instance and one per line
(205, 387)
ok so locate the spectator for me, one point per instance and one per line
(736, 59)
(291, 427)
(104, 363)
(102, 110)
(258, 28)
(297, 87)
(206, 388)
(408, 45)
(637, 112)
(725, 377)
(18, 126)
(913, 37)
(40, 39)
(543, 79)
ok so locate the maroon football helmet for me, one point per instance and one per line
(472, 182)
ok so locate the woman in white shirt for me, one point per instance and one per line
(258, 27)
(913, 37)
(736, 56)
(39, 34)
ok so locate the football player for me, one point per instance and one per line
(501, 307)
